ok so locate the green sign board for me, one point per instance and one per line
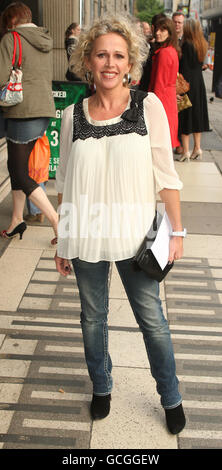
(65, 93)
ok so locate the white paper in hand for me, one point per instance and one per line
(160, 246)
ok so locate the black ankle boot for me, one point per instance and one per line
(100, 406)
(175, 419)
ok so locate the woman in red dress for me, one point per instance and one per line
(165, 66)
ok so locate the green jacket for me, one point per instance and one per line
(37, 72)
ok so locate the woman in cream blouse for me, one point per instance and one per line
(115, 156)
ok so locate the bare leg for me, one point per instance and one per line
(39, 198)
(197, 140)
(197, 152)
(186, 142)
(18, 200)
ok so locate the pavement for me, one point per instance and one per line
(45, 391)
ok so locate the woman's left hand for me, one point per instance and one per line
(176, 249)
(62, 265)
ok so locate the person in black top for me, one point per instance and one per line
(71, 40)
(193, 120)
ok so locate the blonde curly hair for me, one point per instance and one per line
(137, 45)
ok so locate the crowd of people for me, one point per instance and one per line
(177, 45)
(115, 151)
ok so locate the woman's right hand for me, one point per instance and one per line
(62, 265)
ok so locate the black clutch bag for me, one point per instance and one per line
(145, 260)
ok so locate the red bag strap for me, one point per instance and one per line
(14, 51)
(16, 36)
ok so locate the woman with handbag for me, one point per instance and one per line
(28, 120)
(194, 118)
(115, 152)
(165, 66)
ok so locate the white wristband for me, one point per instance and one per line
(180, 234)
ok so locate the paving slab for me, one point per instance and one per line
(17, 266)
(10, 393)
(209, 246)
(202, 217)
(202, 182)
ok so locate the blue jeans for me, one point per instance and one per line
(32, 209)
(143, 295)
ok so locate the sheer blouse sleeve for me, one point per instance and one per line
(165, 175)
(65, 146)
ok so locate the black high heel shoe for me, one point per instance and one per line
(18, 229)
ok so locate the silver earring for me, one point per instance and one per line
(127, 79)
(89, 76)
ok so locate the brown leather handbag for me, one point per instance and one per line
(182, 86)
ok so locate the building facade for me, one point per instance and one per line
(211, 10)
(57, 15)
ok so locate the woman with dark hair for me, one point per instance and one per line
(26, 121)
(193, 120)
(145, 79)
(165, 66)
(71, 40)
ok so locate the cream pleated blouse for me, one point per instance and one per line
(109, 173)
